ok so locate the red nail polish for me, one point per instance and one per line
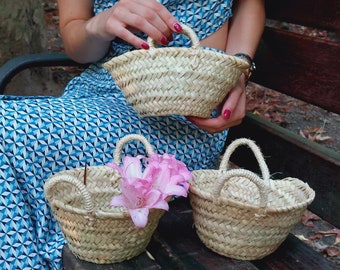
(145, 46)
(164, 41)
(226, 114)
(178, 27)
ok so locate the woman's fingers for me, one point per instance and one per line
(232, 113)
(234, 105)
(149, 17)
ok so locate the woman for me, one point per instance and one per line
(43, 135)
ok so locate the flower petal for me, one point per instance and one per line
(176, 190)
(151, 197)
(114, 166)
(161, 204)
(132, 167)
(119, 200)
(139, 216)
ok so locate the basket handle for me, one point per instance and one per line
(256, 150)
(226, 176)
(55, 180)
(195, 43)
(126, 139)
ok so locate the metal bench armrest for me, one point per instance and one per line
(19, 63)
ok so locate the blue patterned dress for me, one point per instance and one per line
(40, 136)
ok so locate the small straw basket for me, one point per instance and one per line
(240, 215)
(175, 80)
(94, 231)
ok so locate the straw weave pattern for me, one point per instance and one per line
(94, 231)
(173, 80)
(240, 215)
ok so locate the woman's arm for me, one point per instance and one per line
(87, 37)
(79, 44)
(246, 27)
(245, 31)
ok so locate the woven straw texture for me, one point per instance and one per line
(94, 231)
(175, 80)
(240, 215)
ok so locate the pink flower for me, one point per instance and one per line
(169, 175)
(137, 195)
(132, 167)
(163, 177)
(138, 198)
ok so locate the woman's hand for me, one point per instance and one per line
(87, 38)
(232, 111)
(127, 17)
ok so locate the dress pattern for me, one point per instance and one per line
(40, 136)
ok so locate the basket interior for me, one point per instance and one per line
(101, 182)
(283, 194)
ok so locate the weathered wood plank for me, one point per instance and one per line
(177, 231)
(316, 13)
(70, 262)
(175, 245)
(288, 154)
(289, 255)
(177, 234)
(300, 66)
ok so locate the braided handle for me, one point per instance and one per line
(195, 43)
(256, 150)
(126, 139)
(50, 185)
(225, 177)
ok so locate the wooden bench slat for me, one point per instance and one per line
(316, 13)
(175, 245)
(177, 231)
(70, 262)
(300, 66)
(289, 255)
(178, 236)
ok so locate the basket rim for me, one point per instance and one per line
(204, 194)
(139, 54)
(57, 203)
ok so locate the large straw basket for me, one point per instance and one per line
(94, 231)
(240, 215)
(175, 80)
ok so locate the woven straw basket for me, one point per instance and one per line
(175, 80)
(94, 231)
(239, 215)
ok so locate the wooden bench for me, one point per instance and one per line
(302, 66)
(175, 245)
(305, 67)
